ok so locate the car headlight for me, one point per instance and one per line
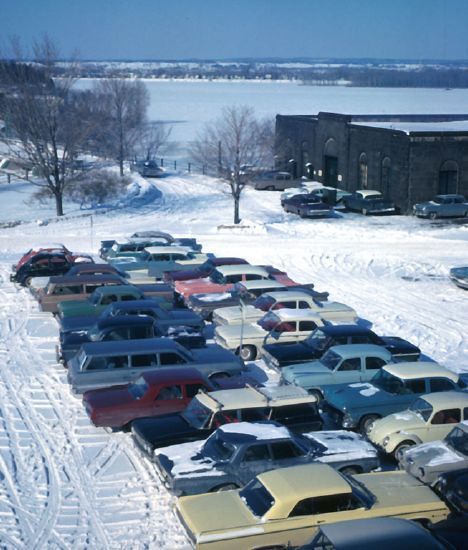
(385, 441)
(348, 421)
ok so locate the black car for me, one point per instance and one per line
(42, 264)
(323, 338)
(306, 205)
(453, 488)
(291, 407)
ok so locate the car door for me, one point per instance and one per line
(255, 460)
(285, 453)
(348, 371)
(370, 366)
(168, 399)
(442, 422)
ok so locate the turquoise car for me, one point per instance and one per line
(339, 365)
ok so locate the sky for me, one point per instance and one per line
(223, 29)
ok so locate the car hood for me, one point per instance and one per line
(342, 445)
(186, 460)
(433, 454)
(186, 274)
(80, 322)
(234, 314)
(461, 272)
(162, 430)
(357, 395)
(207, 514)
(233, 332)
(298, 372)
(291, 353)
(116, 398)
(193, 286)
(184, 317)
(213, 354)
(396, 422)
(399, 489)
(75, 306)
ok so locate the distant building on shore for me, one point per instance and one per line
(409, 158)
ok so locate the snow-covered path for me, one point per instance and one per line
(64, 483)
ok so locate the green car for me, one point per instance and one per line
(102, 297)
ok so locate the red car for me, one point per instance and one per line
(152, 394)
(52, 248)
(223, 278)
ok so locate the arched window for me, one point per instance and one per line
(330, 163)
(305, 159)
(448, 177)
(385, 176)
(362, 171)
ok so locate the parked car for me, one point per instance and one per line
(442, 206)
(331, 195)
(293, 408)
(133, 244)
(235, 453)
(152, 394)
(282, 325)
(147, 168)
(459, 276)
(150, 307)
(392, 389)
(286, 506)
(63, 289)
(46, 263)
(384, 533)
(300, 299)
(368, 201)
(429, 418)
(323, 338)
(453, 488)
(202, 271)
(338, 365)
(429, 460)
(104, 364)
(223, 278)
(100, 298)
(306, 206)
(54, 248)
(272, 180)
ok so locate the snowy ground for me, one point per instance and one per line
(64, 483)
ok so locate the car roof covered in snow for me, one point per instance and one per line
(419, 369)
(447, 399)
(168, 249)
(241, 269)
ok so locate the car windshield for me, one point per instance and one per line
(197, 414)
(373, 197)
(218, 449)
(438, 200)
(387, 382)
(264, 303)
(458, 440)
(94, 334)
(422, 408)
(256, 497)
(330, 359)
(206, 266)
(138, 389)
(361, 492)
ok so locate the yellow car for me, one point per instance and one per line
(286, 506)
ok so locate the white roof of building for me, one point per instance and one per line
(408, 127)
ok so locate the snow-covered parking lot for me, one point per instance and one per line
(65, 483)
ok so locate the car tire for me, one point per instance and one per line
(225, 487)
(317, 394)
(399, 449)
(351, 470)
(270, 188)
(433, 215)
(366, 421)
(248, 353)
(28, 281)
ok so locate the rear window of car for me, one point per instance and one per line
(294, 413)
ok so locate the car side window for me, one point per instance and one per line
(256, 452)
(254, 415)
(374, 363)
(144, 360)
(67, 289)
(414, 386)
(252, 277)
(305, 326)
(117, 334)
(283, 450)
(127, 297)
(170, 358)
(232, 279)
(109, 299)
(191, 390)
(288, 305)
(303, 305)
(169, 392)
(448, 416)
(91, 288)
(97, 363)
(117, 362)
(353, 363)
(440, 384)
(325, 505)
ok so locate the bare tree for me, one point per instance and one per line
(45, 124)
(233, 142)
(151, 139)
(123, 107)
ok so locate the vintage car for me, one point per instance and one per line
(338, 365)
(97, 302)
(136, 241)
(331, 195)
(282, 325)
(235, 453)
(202, 271)
(152, 394)
(63, 289)
(53, 248)
(429, 460)
(392, 389)
(105, 364)
(323, 338)
(147, 168)
(306, 205)
(288, 299)
(383, 532)
(223, 278)
(453, 488)
(442, 206)
(94, 269)
(45, 263)
(286, 506)
(154, 260)
(429, 418)
(272, 180)
(368, 201)
(459, 276)
(292, 407)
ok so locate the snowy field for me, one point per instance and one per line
(66, 484)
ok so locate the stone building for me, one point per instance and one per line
(409, 158)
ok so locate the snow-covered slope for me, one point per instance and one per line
(64, 483)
